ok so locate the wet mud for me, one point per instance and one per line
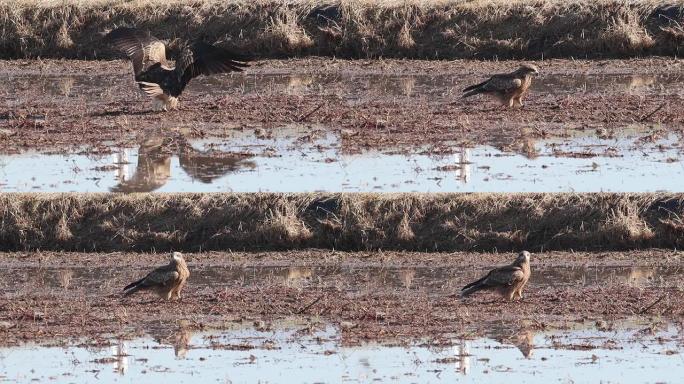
(367, 296)
(338, 125)
(388, 105)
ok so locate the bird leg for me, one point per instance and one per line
(511, 102)
(519, 102)
(172, 103)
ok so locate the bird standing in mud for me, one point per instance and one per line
(508, 88)
(508, 281)
(153, 72)
(166, 281)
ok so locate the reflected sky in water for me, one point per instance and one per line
(285, 354)
(306, 159)
(433, 280)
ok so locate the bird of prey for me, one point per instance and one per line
(508, 88)
(155, 75)
(508, 281)
(166, 281)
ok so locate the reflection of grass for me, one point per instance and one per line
(425, 222)
(354, 28)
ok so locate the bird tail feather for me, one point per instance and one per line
(471, 93)
(470, 88)
(472, 287)
(133, 287)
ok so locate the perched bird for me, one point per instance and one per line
(155, 75)
(166, 281)
(509, 281)
(508, 88)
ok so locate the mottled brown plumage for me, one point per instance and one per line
(155, 75)
(167, 281)
(508, 88)
(508, 281)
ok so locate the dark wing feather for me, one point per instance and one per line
(140, 46)
(496, 83)
(474, 283)
(475, 86)
(133, 284)
(505, 276)
(205, 59)
(501, 83)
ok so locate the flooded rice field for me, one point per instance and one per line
(439, 281)
(315, 158)
(630, 352)
(350, 320)
(347, 129)
(324, 316)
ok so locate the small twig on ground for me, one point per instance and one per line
(643, 118)
(311, 304)
(302, 118)
(652, 305)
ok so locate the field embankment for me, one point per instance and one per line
(432, 29)
(261, 221)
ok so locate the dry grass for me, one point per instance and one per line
(355, 28)
(260, 221)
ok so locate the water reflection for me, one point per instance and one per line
(353, 87)
(120, 354)
(523, 339)
(363, 87)
(152, 171)
(179, 338)
(463, 356)
(443, 280)
(243, 354)
(315, 156)
(153, 168)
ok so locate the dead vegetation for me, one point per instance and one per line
(269, 221)
(355, 28)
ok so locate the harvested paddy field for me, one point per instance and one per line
(250, 306)
(303, 268)
(336, 125)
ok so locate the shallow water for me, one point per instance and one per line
(312, 158)
(305, 158)
(351, 86)
(434, 281)
(316, 353)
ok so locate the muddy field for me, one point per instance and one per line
(384, 297)
(386, 104)
(319, 127)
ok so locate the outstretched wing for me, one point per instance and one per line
(205, 59)
(140, 46)
(508, 275)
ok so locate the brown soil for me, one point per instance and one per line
(365, 309)
(93, 106)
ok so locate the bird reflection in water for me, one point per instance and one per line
(521, 338)
(153, 169)
(179, 338)
(120, 354)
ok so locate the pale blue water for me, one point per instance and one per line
(283, 356)
(284, 164)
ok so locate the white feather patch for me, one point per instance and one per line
(150, 89)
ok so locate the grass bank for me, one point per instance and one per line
(261, 221)
(529, 29)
